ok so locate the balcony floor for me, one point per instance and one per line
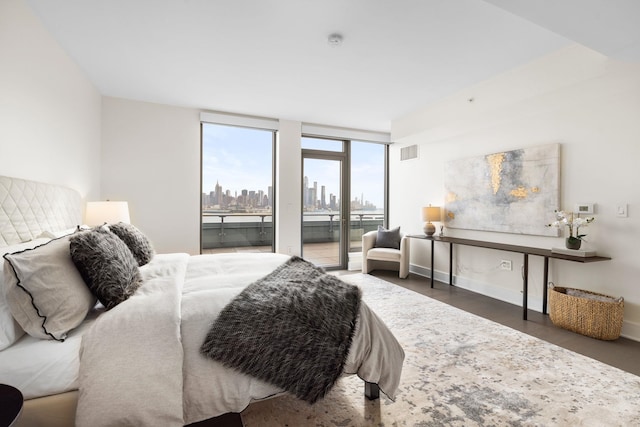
(321, 254)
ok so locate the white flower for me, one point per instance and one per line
(571, 220)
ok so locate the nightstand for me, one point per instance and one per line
(10, 405)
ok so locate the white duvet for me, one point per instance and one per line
(140, 363)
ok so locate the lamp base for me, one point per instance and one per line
(429, 229)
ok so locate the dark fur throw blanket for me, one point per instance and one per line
(292, 328)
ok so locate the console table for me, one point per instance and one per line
(525, 250)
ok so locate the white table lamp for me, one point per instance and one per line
(97, 213)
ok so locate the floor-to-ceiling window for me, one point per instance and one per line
(368, 190)
(237, 189)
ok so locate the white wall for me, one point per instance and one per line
(151, 158)
(586, 102)
(49, 110)
(289, 184)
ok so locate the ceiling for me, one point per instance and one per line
(271, 58)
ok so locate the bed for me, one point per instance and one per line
(168, 352)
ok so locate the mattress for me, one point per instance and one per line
(44, 367)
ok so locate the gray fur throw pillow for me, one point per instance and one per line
(137, 242)
(106, 265)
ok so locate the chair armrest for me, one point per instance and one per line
(405, 246)
(368, 241)
(405, 256)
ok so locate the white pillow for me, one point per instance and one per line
(10, 330)
(62, 233)
(45, 291)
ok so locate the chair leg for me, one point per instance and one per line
(403, 271)
(365, 265)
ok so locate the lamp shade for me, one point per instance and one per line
(98, 213)
(431, 213)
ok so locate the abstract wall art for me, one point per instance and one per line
(512, 192)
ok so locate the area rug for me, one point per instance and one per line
(464, 370)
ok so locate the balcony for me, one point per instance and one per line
(253, 232)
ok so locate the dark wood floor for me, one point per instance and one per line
(621, 353)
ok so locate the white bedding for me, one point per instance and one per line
(39, 367)
(169, 382)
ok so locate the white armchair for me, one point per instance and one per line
(385, 258)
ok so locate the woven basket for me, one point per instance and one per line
(599, 318)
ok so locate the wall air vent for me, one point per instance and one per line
(409, 152)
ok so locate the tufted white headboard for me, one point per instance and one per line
(28, 208)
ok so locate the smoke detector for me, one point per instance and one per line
(335, 39)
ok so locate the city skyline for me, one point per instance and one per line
(242, 159)
(257, 198)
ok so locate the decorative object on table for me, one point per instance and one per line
(503, 191)
(441, 230)
(573, 243)
(588, 313)
(430, 213)
(574, 252)
(97, 213)
(573, 222)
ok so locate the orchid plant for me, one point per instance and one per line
(572, 222)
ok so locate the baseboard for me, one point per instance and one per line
(426, 272)
(355, 261)
(630, 330)
(507, 295)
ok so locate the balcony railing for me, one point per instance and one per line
(228, 230)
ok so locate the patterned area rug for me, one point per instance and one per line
(464, 370)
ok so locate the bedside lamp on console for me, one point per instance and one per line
(430, 213)
(98, 213)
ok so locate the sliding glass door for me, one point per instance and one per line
(323, 218)
(343, 197)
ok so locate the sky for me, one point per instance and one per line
(243, 164)
(241, 158)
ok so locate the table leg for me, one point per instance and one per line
(544, 285)
(450, 264)
(525, 286)
(432, 245)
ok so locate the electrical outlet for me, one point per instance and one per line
(505, 264)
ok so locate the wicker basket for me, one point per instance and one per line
(591, 314)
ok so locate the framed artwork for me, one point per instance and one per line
(511, 192)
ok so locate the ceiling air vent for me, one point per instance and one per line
(408, 153)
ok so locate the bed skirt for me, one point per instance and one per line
(58, 410)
